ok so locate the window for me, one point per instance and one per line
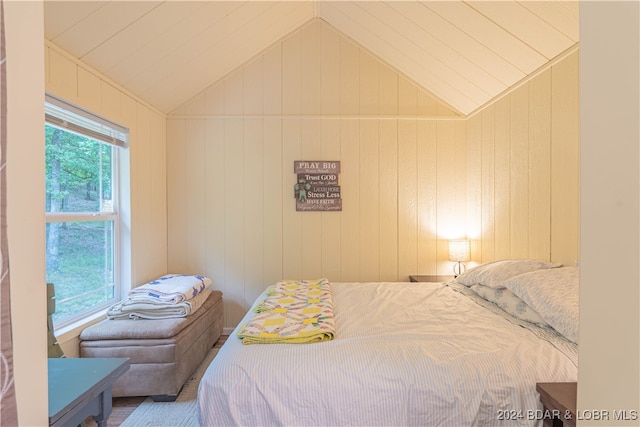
(82, 216)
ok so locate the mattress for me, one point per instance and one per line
(404, 353)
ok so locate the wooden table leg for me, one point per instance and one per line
(105, 405)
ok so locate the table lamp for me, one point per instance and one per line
(459, 253)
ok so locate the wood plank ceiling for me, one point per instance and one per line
(464, 52)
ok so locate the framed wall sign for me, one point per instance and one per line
(317, 185)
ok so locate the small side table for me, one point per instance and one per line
(559, 400)
(430, 278)
(81, 388)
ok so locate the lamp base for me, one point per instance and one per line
(458, 268)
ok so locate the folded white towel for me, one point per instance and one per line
(171, 288)
(132, 308)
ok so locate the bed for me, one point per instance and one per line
(463, 353)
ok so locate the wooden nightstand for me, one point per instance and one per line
(558, 399)
(430, 278)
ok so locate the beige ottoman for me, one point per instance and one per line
(163, 353)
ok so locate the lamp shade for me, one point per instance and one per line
(459, 250)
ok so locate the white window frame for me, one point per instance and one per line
(69, 117)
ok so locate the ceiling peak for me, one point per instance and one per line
(465, 53)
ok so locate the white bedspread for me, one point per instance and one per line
(404, 354)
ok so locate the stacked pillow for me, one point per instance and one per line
(536, 291)
(509, 302)
(493, 274)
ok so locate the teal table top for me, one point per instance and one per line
(74, 382)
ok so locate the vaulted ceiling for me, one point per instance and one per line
(464, 52)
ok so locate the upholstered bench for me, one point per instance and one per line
(163, 353)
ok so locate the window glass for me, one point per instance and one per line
(79, 173)
(80, 264)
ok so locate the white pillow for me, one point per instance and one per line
(509, 302)
(553, 294)
(493, 274)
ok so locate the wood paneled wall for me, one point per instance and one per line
(314, 95)
(72, 80)
(524, 170)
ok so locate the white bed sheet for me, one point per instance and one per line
(405, 354)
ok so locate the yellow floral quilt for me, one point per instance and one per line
(294, 311)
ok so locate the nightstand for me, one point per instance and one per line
(430, 278)
(558, 399)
